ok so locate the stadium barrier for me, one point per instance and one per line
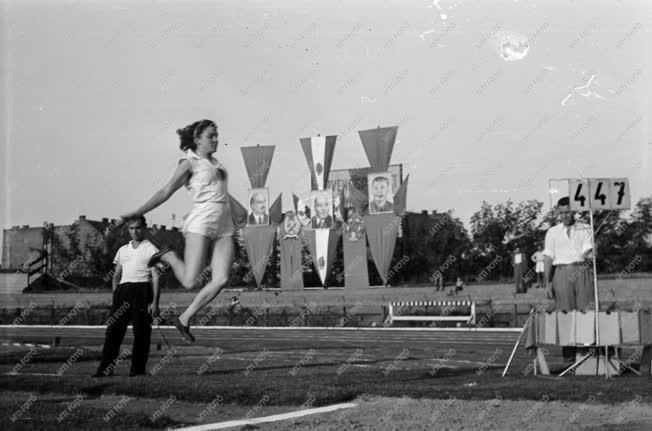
(396, 310)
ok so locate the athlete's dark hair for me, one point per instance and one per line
(188, 134)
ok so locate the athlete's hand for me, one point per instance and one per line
(153, 310)
(114, 225)
(550, 294)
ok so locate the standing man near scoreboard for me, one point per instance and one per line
(568, 270)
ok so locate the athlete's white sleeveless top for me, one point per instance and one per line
(208, 182)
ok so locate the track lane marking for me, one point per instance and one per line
(272, 418)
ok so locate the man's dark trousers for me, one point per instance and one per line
(518, 279)
(130, 302)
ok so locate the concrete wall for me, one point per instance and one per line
(18, 243)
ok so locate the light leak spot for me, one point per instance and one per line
(512, 46)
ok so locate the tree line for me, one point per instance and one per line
(431, 244)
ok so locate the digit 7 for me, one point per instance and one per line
(621, 191)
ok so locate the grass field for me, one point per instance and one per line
(402, 385)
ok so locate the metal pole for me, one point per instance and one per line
(595, 285)
(518, 341)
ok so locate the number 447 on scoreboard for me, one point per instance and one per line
(599, 194)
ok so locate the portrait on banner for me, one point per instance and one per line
(381, 195)
(321, 209)
(258, 211)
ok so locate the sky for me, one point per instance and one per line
(492, 98)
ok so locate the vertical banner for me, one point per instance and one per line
(260, 219)
(291, 246)
(356, 274)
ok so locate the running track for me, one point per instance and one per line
(215, 335)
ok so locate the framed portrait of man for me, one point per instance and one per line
(321, 209)
(381, 194)
(258, 211)
(344, 180)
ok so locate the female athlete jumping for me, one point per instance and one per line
(209, 224)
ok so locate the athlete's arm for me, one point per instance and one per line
(184, 169)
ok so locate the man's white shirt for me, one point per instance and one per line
(564, 249)
(134, 261)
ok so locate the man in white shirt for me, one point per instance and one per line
(568, 248)
(539, 261)
(520, 268)
(135, 298)
(568, 270)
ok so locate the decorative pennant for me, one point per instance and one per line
(321, 252)
(238, 212)
(322, 244)
(354, 246)
(319, 155)
(295, 199)
(378, 144)
(382, 230)
(291, 247)
(258, 160)
(258, 241)
(275, 211)
(400, 197)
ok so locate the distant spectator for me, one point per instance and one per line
(438, 281)
(459, 285)
(519, 263)
(538, 258)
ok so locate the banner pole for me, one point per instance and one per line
(595, 284)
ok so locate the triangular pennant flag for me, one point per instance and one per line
(382, 230)
(322, 244)
(258, 241)
(238, 212)
(276, 211)
(378, 144)
(400, 197)
(258, 160)
(295, 199)
(319, 155)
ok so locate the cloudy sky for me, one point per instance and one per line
(492, 98)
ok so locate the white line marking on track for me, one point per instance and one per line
(284, 328)
(273, 418)
(32, 374)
